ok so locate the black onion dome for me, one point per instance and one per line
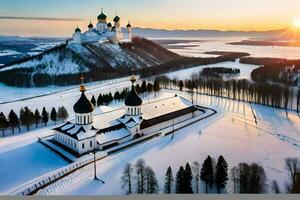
(116, 19)
(109, 25)
(83, 105)
(77, 30)
(133, 98)
(128, 25)
(102, 16)
(90, 25)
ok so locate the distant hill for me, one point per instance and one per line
(99, 61)
(157, 33)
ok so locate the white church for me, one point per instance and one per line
(103, 31)
(88, 132)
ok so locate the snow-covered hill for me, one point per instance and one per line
(61, 64)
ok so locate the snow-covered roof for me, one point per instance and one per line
(164, 106)
(112, 136)
(79, 132)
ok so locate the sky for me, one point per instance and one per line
(239, 15)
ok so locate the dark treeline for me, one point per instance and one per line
(274, 69)
(141, 179)
(146, 87)
(27, 118)
(268, 94)
(219, 72)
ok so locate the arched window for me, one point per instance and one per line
(84, 120)
(131, 113)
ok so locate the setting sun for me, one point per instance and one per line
(297, 23)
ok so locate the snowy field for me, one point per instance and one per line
(25, 163)
(245, 69)
(233, 134)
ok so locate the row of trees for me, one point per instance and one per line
(246, 178)
(27, 118)
(105, 99)
(141, 178)
(268, 94)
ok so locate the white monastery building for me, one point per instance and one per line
(89, 133)
(103, 31)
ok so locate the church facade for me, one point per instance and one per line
(103, 31)
(87, 132)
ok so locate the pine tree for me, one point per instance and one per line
(3, 123)
(126, 178)
(13, 121)
(63, 114)
(169, 181)
(53, 115)
(180, 181)
(180, 85)
(144, 87)
(207, 172)
(188, 177)
(26, 117)
(45, 116)
(221, 173)
(156, 86)
(151, 181)
(37, 118)
(100, 100)
(93, 100)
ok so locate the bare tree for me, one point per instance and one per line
(235, 174)
(275, 187)
(126, 178)
(196, 174)
(150, 181)
(292, 167)
(140, 176)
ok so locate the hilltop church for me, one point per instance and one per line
(103, 31)
(88, 132)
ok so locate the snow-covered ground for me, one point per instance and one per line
(245, 70)
(26, 163)
(233, 134)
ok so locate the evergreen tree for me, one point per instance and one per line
(156, 86)
(144, 87)
(100, 100)
(169, 181)
(180, 85)
(45, 116)
(180, 176)
(117, 96)
(126, 178)
(93, 100)
(188, 177)
(149, 87)
(63, 114)
(37, 118)
(26, 117)
(53, 115)
(3, 123)
(13, 121)
(221, 177)
(207, 172)
(138, 88)
(151, 181)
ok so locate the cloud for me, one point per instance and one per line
(40, 18)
